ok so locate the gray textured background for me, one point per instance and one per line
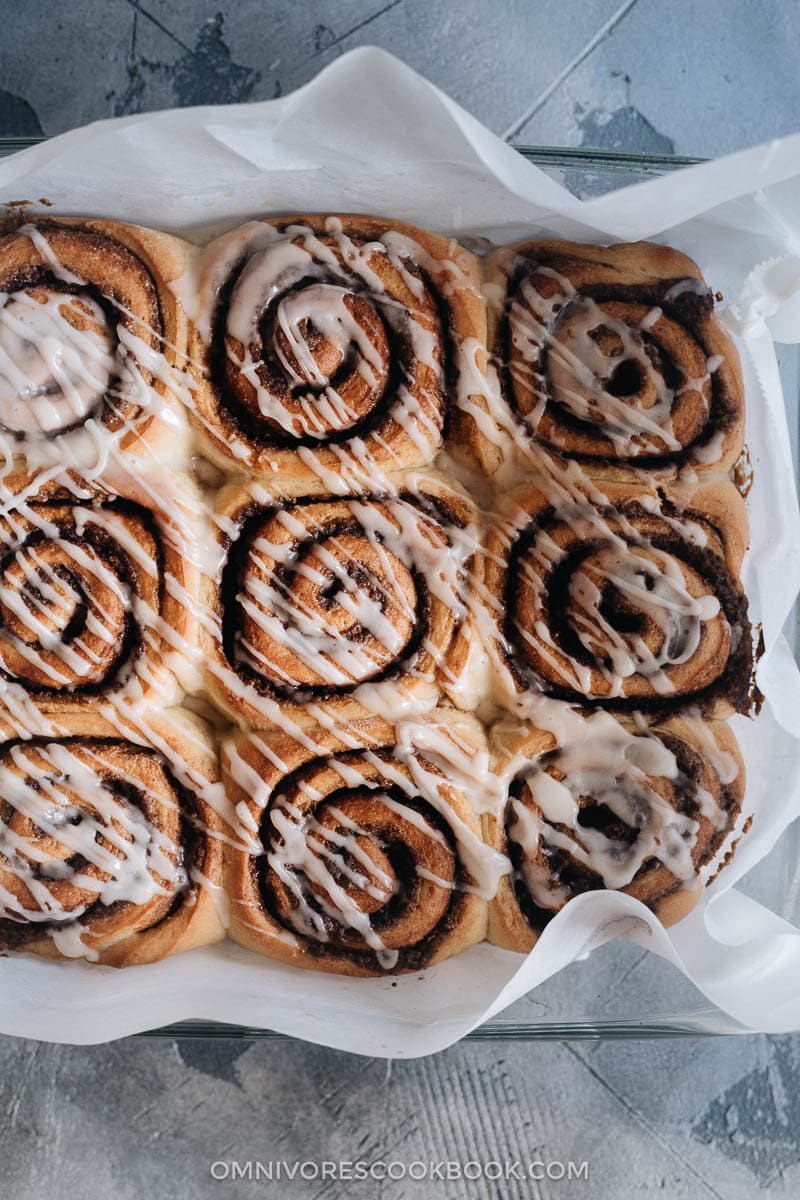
(561, 72)
(692, 1118)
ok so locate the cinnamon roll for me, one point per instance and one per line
(109, 847)
(347, 605)
(360, 852)
(331, 347)
(607, 354)
(97, 602)
(321, 586)
(624, 597)
(90, 338)
(594, 804)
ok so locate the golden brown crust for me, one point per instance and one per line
(125, 613)
(720, 504)
(656, 331)
(516, 922)
(148, 770)
(541, 549)
(408, 553)
(431, 278)
(674, 496)
(431, 922)
(130, 269)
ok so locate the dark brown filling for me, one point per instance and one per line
(264, 433)
(192, 845)
(573, 876)
(234, 583)
(410, 958)
(689, 309)
(114, 557)
(735, 681)
(110, 408)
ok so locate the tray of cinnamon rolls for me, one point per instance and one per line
(362, 597)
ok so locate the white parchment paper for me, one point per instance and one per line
(368, 135)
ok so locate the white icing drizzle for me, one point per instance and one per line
(661, 593)
(630, 779)
(601, 362)
(81, 602)
(56, 360)
(337, 594)
(323, 332)
(334, 871)
(74, 388)
(61, 362)
(71, 840)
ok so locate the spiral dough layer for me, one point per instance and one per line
(343, 601)
(332, 345)
(360, 855)
(92, 596)
(621, 597)
(90, 336)
(595, 804)
(612, 356)
(103, 853)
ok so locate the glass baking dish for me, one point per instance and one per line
(620, 990)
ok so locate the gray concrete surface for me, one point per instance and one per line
(693, 78)
(685, 1121)
(690, 1118)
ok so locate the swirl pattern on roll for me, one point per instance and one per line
(104, 855)
(89, 338)
(619, 597)
(594, 804)
(331, 345)
(613, 355)
(321, 587)
(360, 854)
(343, 602)
(92, 597)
